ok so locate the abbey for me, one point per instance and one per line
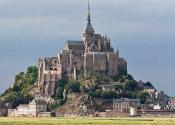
(93, 55)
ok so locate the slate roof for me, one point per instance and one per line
(75, 45)
(89, 28)
(72, 42)
(98, 36)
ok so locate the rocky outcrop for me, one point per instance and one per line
(77, 104)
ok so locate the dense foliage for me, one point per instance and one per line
(73, 86)
(120, 86)
(143, 95)
(59, 89)
(63, 86)
(19, 92)
(100, 86)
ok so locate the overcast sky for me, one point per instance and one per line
(143, 31)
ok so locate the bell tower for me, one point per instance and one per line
(88, 34)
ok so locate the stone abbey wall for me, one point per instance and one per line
(93, 55)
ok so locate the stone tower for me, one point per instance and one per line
(88, 35)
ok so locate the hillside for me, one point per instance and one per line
(95, 92)
(21, 91)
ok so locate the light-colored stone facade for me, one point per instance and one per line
(35, 107)
(124, 104)
(92, 55)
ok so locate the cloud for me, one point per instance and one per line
(143, 30)
(52, 18)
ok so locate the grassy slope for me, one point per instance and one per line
(86, 121)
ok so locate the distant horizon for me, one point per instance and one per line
(143, 31)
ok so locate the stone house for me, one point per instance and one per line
(32, 109)
(124, 107)
(124, 104)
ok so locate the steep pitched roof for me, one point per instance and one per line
(74, 45)
(98, 36)
(72, 42)
(89, 27)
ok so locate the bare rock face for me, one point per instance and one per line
(81, 104)
(77, 105)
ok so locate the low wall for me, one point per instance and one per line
(116, 114)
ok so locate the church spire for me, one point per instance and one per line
(89, 27)
(89, 14)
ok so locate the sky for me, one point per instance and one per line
(142, 30)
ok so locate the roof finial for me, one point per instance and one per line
(88, 7)
(89, 27)
(89, 15)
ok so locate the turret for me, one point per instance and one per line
(106, 43)
(117, 52)
(109, 43)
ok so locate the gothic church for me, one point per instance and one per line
(93, 55)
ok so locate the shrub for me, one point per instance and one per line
(130, 85)
(73, 86)
(143, 95)
(108, 94)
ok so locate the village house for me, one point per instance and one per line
(124, 107)
(124, 104)
(37, 107)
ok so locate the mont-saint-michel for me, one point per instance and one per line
(91, 56)
(86, 78)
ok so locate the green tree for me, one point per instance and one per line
(121, 80)
(59, 93)
(73, 86)
(143, 95)
(130, 85)
(108, 94)
(31, 75)
(129, 77)
(19, 77)
(19, 92)
(118, 87)
(97, 92)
